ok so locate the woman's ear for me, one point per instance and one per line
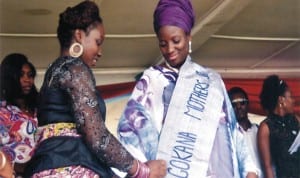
(281, 99)
(78, 35)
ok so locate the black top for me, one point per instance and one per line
(69, 94)
(283, 131)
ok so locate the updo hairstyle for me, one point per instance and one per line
(84, 16)
(272, 88)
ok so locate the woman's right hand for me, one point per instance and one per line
(158, 168)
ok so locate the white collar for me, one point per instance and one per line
(188, 58)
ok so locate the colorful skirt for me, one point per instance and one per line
(76, 171)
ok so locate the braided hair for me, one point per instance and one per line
(83, 16)
(272, 88)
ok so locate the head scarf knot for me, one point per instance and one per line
(175, 13)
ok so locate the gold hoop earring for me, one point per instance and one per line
(76, 50)
(190, 47)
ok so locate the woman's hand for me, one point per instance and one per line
(7, 170)
(158, 168)
(251, 175)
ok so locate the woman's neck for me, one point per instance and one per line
(20, 102)
(64, 53)
(279, 111)
(167, 65)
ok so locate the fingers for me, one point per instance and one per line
(158, 168)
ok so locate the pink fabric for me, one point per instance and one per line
(71, 171)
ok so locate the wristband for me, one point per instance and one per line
(143, 171)
(137, 169)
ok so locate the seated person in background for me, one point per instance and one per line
(278, 135)
(18, 120)
(240, 102)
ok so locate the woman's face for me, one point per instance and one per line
(288, 102)
(91, 43)
(173, 44)
(26, 79)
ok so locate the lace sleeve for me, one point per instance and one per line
(81, 87)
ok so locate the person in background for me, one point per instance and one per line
(72, 138)
(179, 111)
(240, 103)
(18, 122)
(278, 132)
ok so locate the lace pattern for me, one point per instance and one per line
(73, 76)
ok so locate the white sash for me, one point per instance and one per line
(193, 116)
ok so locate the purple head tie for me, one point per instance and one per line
(174, 12)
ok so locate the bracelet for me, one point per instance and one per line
(3, 160)
(137, 169)
(143, 171)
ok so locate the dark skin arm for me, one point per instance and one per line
(263, 142)
(92, 127)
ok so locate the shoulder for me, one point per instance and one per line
(74, 66)
(205, 71)
(67, 62)
(72, 71)
(14, 113)
(204, 68)
(263, 126)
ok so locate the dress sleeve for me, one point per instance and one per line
(79, 82)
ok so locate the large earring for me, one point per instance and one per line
(190, 47)
(76, 50)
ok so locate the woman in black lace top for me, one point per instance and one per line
(277, 133)
(72, 137)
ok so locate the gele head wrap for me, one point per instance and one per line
(175, 13)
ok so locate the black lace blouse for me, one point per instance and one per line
(76, 78)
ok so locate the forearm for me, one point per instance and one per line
(268, 172)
